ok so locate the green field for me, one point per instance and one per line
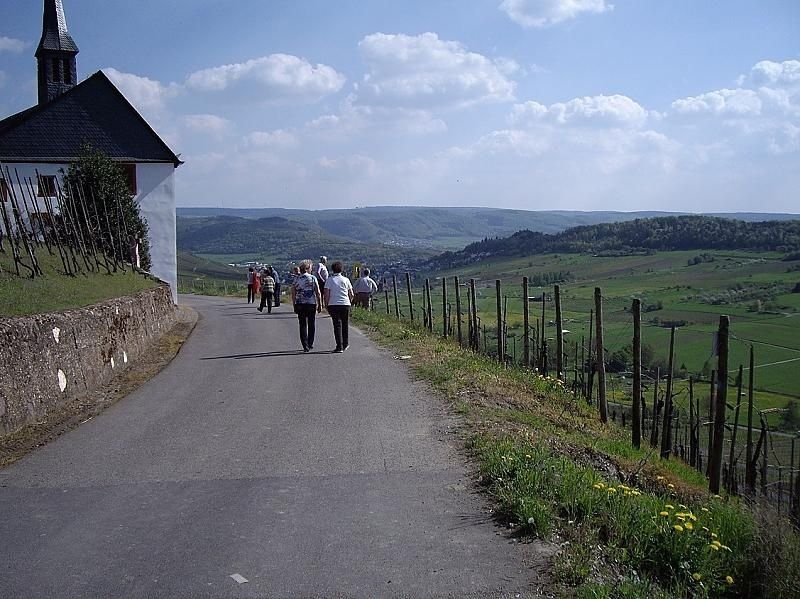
(686, 293)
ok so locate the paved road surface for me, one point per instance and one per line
(306, 474)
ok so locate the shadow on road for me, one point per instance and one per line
(268, 354)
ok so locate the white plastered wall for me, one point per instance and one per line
(156, 198)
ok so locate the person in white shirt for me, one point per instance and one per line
(322, 272)
(338, 298)
(364, 289)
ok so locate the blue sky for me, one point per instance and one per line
(533, 104)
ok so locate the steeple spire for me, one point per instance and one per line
(55, 54)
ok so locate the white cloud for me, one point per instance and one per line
(9, 44)
(424, 71)
(728, 102)
(353, 118)
(613, 111)
(279, 138)
(270, 78)
(207, 123)
(776, 74)
(147, 95)
(543, 13)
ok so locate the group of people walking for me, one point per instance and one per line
(314, 288)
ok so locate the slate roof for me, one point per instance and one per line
(93, 112)
(55, 37)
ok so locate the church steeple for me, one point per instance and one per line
(55, 56)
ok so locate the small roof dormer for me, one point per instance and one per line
(56, 54)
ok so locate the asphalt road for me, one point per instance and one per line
(307, 475)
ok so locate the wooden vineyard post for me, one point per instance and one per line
(601, 366)
(543, 342)
(444, 307)
(559, 335)
(750, 470)
(526, 322)
(410, 297)
(396, 303)
(654, 424)
(500, 348)
(458, 310)
(666, 431)
(715, 461)
(636, 399)
(731, 483)
(428, 305)
(712, 401)
(692, 444)
(475, 341)
(386, 294)
(590, 381)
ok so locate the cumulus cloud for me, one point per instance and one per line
(355, 118)
(207, 123)
(610, 111)
(776, 74)
(145, 94)
(544, 13)
(270, 78)
(730, 102)
(9, 44)
(425, 71)
(279, 138)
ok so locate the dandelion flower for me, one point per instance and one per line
(714, 547)
(678, 528)
(669, 507)
(598, 486)
(659, 478)
(683, 507)
(703, 509)
(663, 514)
(714, 536)
(612, 490)
(688, 526)
(697, 577)
(729, 579)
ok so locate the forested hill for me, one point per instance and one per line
(646, 234)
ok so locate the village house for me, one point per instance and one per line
(46, 138)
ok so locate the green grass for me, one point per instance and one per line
(548, 463)
(20, 296)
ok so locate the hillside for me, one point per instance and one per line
(281, 240)
(443, 228)
(640, 235)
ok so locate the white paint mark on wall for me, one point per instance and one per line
(125, 357)
(62, 380)
(56, 334)
(116, 310)
(112, 362)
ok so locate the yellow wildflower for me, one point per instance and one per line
(598, 486)
(670, 486)
(663, 513)
(660, 478)
(669, 507)
(714, 547)
(697, 577)
(678, 528)
(689, 526)
(729, 579)
(683, 507)
(714, 535)
(611, 490)
(703, 509)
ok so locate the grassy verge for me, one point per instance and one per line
(630, 524)
(20, 296)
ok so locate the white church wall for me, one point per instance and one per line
(156, 186)
(22, 172)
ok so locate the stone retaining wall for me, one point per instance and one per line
(47, 359)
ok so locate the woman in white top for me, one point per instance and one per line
(338, 298)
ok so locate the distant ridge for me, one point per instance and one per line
(445, 228)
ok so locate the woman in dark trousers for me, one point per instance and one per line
(338, 299)
(307, 303)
